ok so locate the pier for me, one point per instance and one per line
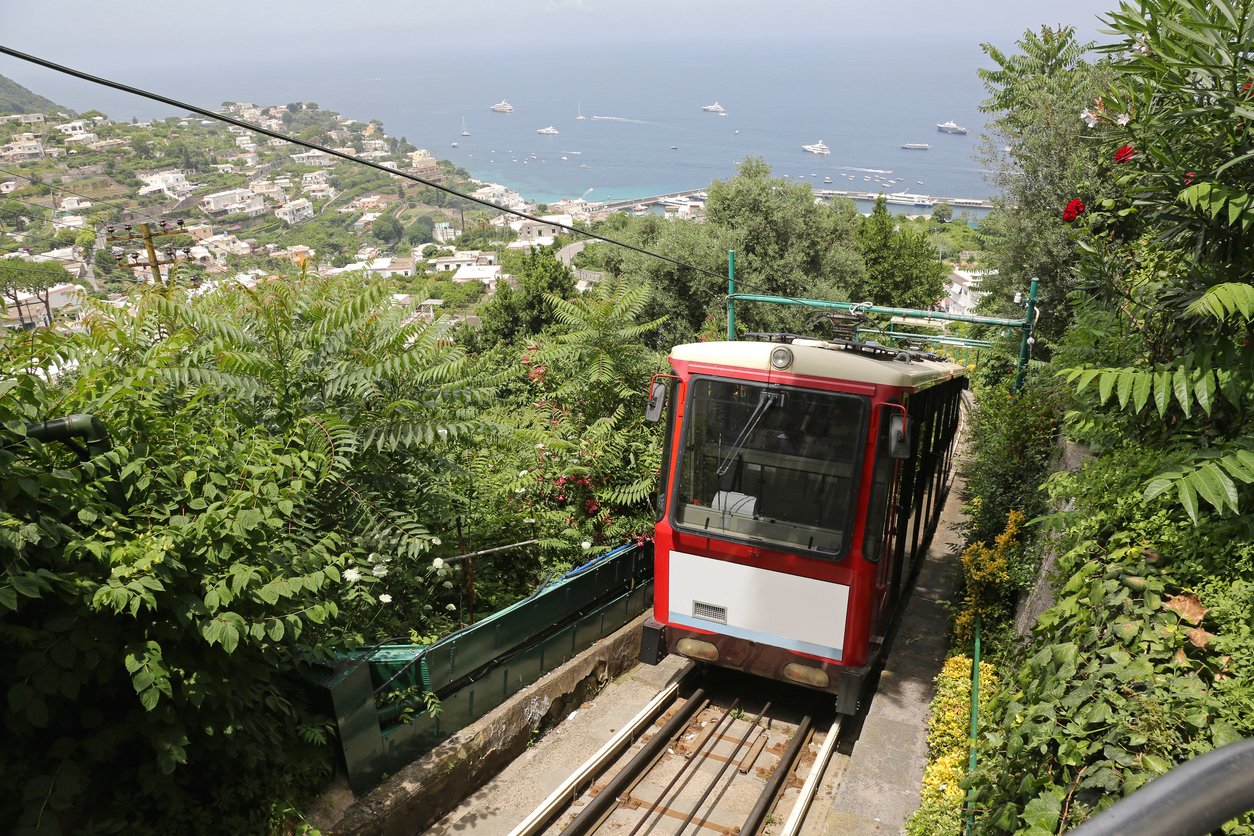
(827, 194)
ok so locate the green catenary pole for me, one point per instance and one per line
(731, 294)
(975, 720)
(1025, 346)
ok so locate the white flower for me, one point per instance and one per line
(379, 571)
(519, 490)
(1089, 117)
(451, 608)
(351, 575)
(1123, 118)
(522, 473)
(435, 541)
(529, 520)
(540, 446)
(438, 563)
(385, 598)
(587, 544)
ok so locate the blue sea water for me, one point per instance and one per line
(863, 98)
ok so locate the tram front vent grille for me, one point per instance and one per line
(709, 612)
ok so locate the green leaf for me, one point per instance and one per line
(1141, 390)
(1043, 811)
(1184, 396)
(1162, 392)
(1188, 498)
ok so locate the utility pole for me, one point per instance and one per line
(146, 235)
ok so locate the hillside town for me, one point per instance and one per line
(231, 204)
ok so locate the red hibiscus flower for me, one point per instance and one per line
(1188, 178)
(1074, 209)
(1124, 154)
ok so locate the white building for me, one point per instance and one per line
(221, 201)
(172, 183)
(295, 211)
(962, 290)
(319, 158)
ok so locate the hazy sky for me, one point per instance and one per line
(159, 37)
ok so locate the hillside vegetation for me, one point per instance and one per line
(14, 98)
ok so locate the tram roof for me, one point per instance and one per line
(816, 358)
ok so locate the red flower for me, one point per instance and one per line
(1075, 208)
(1188, 178)
(1124, 154)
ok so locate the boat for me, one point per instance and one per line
(674, 147)
(916, 146)
(640, 209)
(464, 131)
(817, 148)
(579, 112)
(502, 107)
(715, 108)
(910, 199)
(549, 131)
(454, 144)
(950, 127)
(827, 179)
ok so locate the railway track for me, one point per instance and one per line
(699, 761)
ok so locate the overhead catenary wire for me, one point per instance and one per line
(313, 146)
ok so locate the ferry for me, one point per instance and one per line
(549, 131)
(502, 107)
(817, 148)
(715, 108)
(910, 199)
(950, 127)
(916, 146)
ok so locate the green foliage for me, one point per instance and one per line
(1129, 672)
(525, 311)
(1012, 444)
(281, 458)
(902, 269)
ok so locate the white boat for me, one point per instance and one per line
(579, 112)
(910, 199)
(640, 209)
(454, 144)
(464, 131)
(818, 148)
(916, 146)
(827, 179)
(549, 131)
(715, 108)
(502, 107)
(950, 127)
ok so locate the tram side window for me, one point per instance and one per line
(772, 464)
(877, 507)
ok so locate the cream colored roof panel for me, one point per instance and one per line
(820, 359)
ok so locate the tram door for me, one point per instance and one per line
(879, 534)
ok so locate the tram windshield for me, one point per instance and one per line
(770, 464)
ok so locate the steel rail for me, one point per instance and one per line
(590, 816)
(783, 770)
(797, 816)
(718, 776)
(565, 793)
(682, 772)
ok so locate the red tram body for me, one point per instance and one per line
(803, 480)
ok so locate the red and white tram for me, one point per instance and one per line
(803, 480)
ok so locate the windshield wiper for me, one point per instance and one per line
(765, 401)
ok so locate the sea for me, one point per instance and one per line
(644, 131)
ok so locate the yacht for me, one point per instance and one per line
(910, 199)
(827, 179)
(502, 107)
(549, 131)
(916, 146)
(454, 144)
(950, 127)
(579, 112)
(818, 148)
(464, 131)
(715, 108)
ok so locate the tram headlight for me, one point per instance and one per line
(697, 649)
(781, 358)
(806, 675)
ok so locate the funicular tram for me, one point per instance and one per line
(802, 481)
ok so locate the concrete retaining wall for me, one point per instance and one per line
(420, 794)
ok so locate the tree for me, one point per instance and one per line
(942, 213)
(387, 229)
(525, 311)
(902, 269)
(1040, 157)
